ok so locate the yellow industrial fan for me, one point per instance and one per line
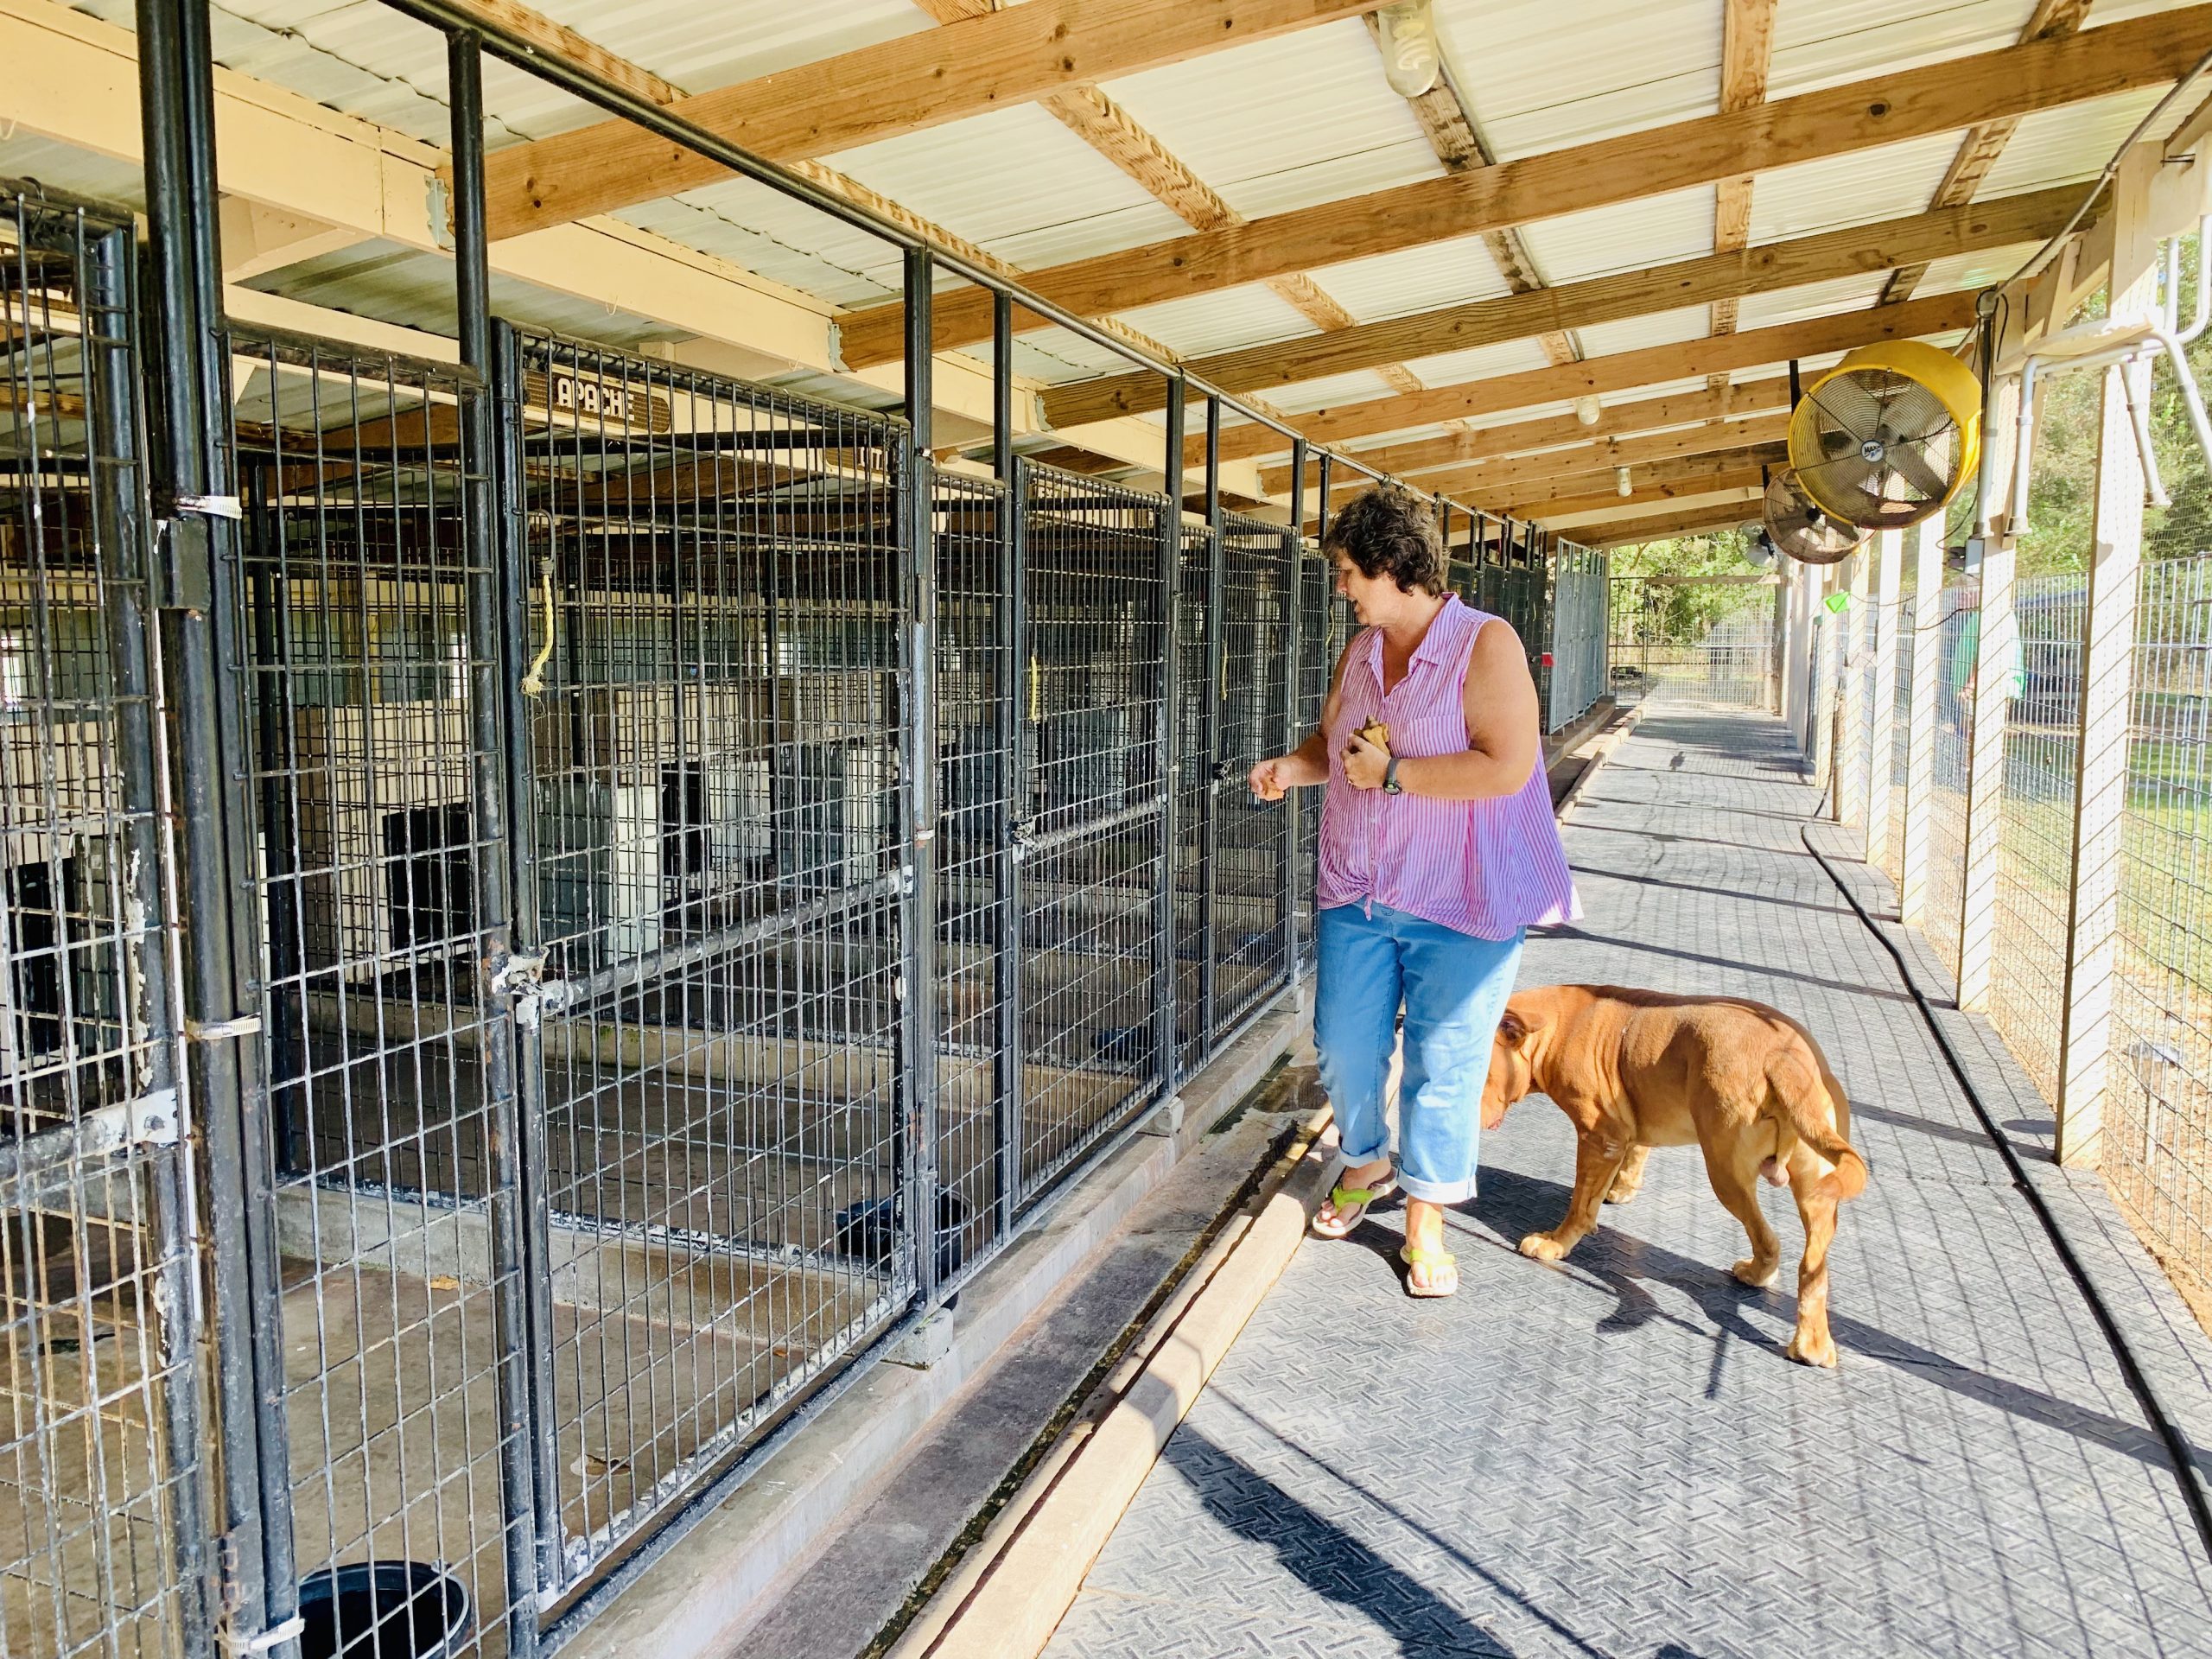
(1797, 524)
(1887, 436)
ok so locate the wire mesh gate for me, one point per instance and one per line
(103, 1497)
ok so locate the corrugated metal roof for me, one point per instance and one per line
(1636, 333)
(1813, 300)
(1506, 357)
(1224, 322)
(1332, 390)
(1541, 74)
(1244, 120)
(985, 178)
(1651, 231)
(2058, 146)
(1863, 189)
(1826, 43)
(1437, 273)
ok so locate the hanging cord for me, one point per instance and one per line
(2192, 1478)
(533, 683)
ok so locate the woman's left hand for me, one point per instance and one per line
(1365, 763)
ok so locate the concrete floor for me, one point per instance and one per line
(1611, 1456)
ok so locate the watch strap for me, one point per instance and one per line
(1390, 784)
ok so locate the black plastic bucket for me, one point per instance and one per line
(383, 1610)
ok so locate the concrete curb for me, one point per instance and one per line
(1009, 1597)
(1601, 751)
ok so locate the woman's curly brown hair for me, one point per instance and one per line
(1390, 531)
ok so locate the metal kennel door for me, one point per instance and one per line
(1253, 882)
(102, 1495)
(709, 617)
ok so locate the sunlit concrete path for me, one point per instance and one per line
(1611, 1457)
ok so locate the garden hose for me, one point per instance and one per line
(2186, 1469)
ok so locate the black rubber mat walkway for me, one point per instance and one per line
(1611, 1457)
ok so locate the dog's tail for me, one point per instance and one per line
(1803, 1096)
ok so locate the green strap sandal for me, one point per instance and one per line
(1349, 1204)
(1441, 1267)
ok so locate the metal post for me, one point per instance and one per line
(1209, 708)
(1995, 655)
(1920, 742)
(1014, 761)
(527, 933)
(2108, 677)
(918, 738)
(123, 539)
(492, 775)
(198, 594)
(1890, 554)
(1294, 647)
(1850, 795)
(1164, 988)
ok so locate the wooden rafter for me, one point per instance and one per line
(900, 85)
(1746, 54)
(1984, 142)
(1617, 421)
(1662, 526)
(1976, 227)
(1500, 487)
(1940, 314)
(1839, 120)
(1457, 141)
(1645, 497)
(1117, 135)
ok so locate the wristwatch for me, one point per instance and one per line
(1390, 784)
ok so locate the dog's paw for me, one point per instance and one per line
(1812, 1348)
(1756, 1274)
(1622, 1191)
(1543, 1246)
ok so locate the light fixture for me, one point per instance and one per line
(1411, 59)
(1620, 481)
(1587, 409)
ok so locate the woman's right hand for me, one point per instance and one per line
(1267, 780)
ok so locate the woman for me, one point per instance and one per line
(1439, 849)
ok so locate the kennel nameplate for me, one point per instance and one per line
(592, 400)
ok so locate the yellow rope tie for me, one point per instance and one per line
(533, 683)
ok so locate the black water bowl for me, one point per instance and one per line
(869, 1231)
(383, 1610)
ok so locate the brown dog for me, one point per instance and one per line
(1634, 1070)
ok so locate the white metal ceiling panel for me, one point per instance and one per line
(1419, 279)
(1541, 75)
(1652, 231)
(1284, 123)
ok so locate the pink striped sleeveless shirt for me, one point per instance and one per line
(1485, 867)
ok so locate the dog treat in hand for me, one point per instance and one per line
(1375, 733)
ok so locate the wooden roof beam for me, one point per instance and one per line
(1663, 526)
(1940, 314)
(1617, 421)
(1839, 120)
(1746, 54)
(906, 84)
(1983, 142)
(1511, 493)
(1483, 477)
(1646, 498)
(1976, 227)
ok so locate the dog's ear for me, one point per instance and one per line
(1512, 1030)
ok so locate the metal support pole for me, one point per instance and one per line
(1016, 788)
(1296, 647)
(492, 775)
(1164, 988)
(1014, 761)
(1995, 659)
(918, 738)
(1850, 795)
(123, 540)
(1881, 747)
(1920, 701)
(197, 486)
(1210, 709)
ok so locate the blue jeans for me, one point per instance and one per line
(1453, 987)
